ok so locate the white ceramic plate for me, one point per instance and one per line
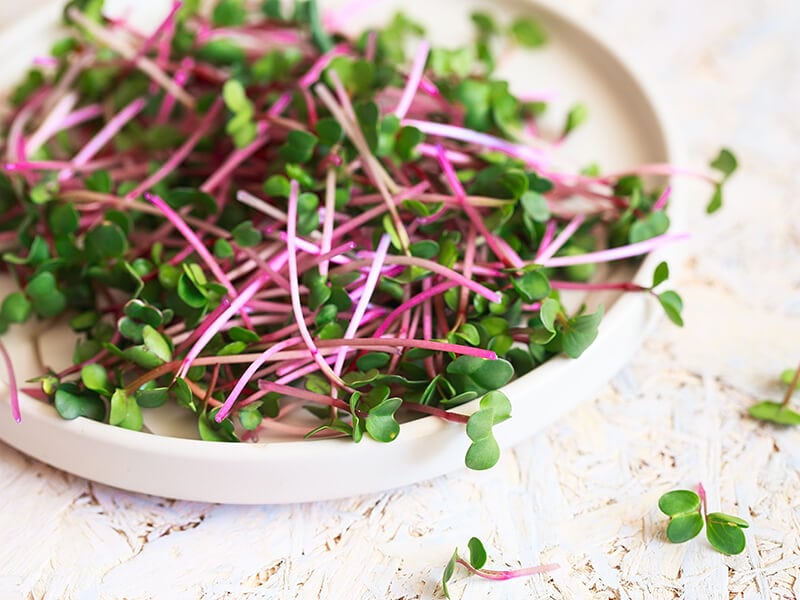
(625, 128)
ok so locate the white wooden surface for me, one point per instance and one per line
(584, 492)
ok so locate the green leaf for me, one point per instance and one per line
(222, 51)
(152, 398)
(141, 356)
(477, 553)
(37, 254)
(381, 424)
(580, 332)
(144, 312)
(156, 343)
(787, 376)
(576, 116)
(405, 145)
(548, 313)
(202, 203)
(482, 373)
(672, 304)
(125, 411)
(245, 235)
(105, 241)
(499, 404)
(71, 403)
(716, 200)
(469, 333)
(367, 114)
(532, 286)
(725, 163)
(63, 219)
(299, 147)
(277, 186)
(528, 33)
(240, 334)
(16, 308)
(654, 224)
(95, 378)
(211, 431)
(678, 502)
(250, 417)
(661, 274)
(373, 360)
(724, 532)
(329, 131)
(99, 181)
(272, 9)
(535, 206)
(684, 527)
(683, 508)
(482, 454)
(47, 299)
(447, 574)
(484, 23)
(229, 13)
(358, 425)
(774, 412)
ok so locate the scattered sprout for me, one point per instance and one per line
(687, 512)
(476, 562)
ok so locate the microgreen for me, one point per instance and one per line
(475, 565)
(237, 213)
(779, 412)
(687, 513)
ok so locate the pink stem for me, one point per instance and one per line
(701, 491)
(320, 65)
(418, 299)
(361, 307)
(547, 253)
(531, 156)
(291, 246)
(102, 137)
(193, 240)
(663, 199)
(474, 216)
(636, 249)
(180, 154)
(220, 321)
(505, 575)
(417, 69)
(547, 237)
(245, 378)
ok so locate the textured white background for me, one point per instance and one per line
(582, 493)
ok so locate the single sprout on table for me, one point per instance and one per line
(248, 214)
(477, 559)
(687, 511)
(779, 412)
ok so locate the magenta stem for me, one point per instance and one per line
(628, 251)
(547, 253)
(102, 137)
(511, 574)
(417, 69)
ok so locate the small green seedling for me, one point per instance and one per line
(779, 412)
(477, 558)
(687, 511)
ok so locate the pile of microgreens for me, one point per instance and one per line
(688, 510)
(779, 412)
(248, 213)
